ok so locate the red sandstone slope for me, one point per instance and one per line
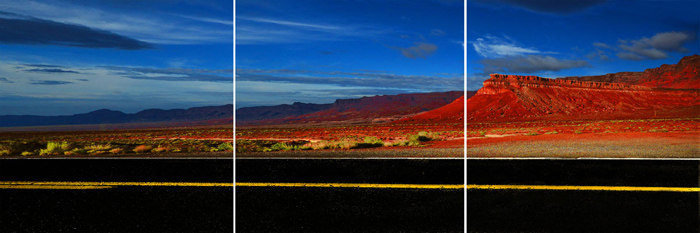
(684, 75)
(370, 109)
(513, 97)
(470, 94)
(451, 113)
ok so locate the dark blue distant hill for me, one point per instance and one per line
(106, 116)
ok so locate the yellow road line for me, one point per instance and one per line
(585, 188)
(52, 187)
(92, 185)
(354, 185)
(104, 185)
(74, 184)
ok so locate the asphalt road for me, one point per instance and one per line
(523, 210)
(150, 208)
(349, 209)
(119, 208)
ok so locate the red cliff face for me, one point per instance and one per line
(684, 75)
(513, 97)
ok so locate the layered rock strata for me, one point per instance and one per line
(513, 97)
(684, 75)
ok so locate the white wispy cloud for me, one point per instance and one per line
(492, 46)
(256, 30)
(209, 20)
(292, 23)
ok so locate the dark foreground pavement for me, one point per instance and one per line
(120, 208)
(582, 211)
(303, 209)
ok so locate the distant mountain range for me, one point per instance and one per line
(373, 109)
(106, 116)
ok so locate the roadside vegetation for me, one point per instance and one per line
(118, 142)
(345, 143)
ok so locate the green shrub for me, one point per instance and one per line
(370, 142)
(4, 152)
(79, 151)
(160, 149)
(98, 147)
(66, 146)
(532, 134)
(416, 139)
(225, 146)
(27, 153)
(373, 140)
(244, 145)
(344, 144)
(294, 145)
(280, 146)
(54, 148)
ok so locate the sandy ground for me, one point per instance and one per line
(220, 154)
(599, 145)
(396, 152)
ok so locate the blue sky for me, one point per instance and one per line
(318, 51)
(75, 56)
(576, 38)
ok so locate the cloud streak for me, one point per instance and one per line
(173, 74)
(529, 64)
(292, 23)
(563, 7)
(492, 47)
(354, 79)
(50, 82)
(21, 29)
(656, 47)
(52, 71)
(256, 30)
(420, 50)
